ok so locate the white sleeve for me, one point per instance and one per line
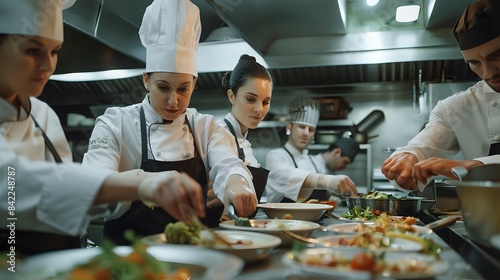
(57, 195)
(284, 179)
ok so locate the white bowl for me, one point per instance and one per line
(298, 211)
(274, 227)
(261, 246)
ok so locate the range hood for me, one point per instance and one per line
(313, 43)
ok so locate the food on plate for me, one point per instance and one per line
(378, 195)
(280, 224)
(139, 264)
(366, 261)
(357, 213)
(288, 216)
(242, 222)
(327, 202)
(191, 234)
(368, 240)
(429, 246)
(183, 233)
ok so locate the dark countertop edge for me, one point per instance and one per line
(485, 261)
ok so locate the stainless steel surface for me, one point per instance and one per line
(478, 193)
(399, 207)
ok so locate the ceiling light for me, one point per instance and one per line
(371, 3)
(97, 75)
(407, 13)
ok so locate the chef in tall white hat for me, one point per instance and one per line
(162, 133)
(49, 200)
(292, 168)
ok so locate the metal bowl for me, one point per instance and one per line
(408, 206)
(480, 209)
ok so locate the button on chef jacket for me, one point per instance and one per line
(115, 144)
(50, 197)
(468, 122)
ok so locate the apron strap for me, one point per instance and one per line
(241, 153)
(144, 138)
(295, 163)
(49, 145)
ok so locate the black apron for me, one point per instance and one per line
(259, 174)
(494, 149)
(146, 221)
(286, 199)
(29, 242)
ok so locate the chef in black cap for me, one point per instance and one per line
(338, 155)
(468, 121)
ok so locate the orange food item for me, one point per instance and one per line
(135, 257)
(363, 261)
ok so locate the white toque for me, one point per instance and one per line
(171, 31)
(304, 110)
(33, 17)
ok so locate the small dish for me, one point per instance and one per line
(295, 211)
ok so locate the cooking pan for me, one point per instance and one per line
(407, 206)
(478, 193)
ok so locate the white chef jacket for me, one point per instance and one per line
(242, 140)
(284, 179)
(49, 197)
(115, 144)
(320, 164)
(468, 121)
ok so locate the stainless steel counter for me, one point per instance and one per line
(273, 268)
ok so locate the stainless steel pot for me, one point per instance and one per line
(409, 206)
(478, 194)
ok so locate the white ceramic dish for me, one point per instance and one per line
(274, 227)
(261, 246)
(434, 267)
(396, 244)
(394, 219)
(202, 263)
(298, 211)
(348, 228)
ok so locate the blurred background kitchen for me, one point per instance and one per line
(371, 68)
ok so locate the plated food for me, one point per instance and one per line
(376, 242)
(363, 265)
(274, 227)
(198, 263)
(295, 211)
(249, 246)
(360, 214)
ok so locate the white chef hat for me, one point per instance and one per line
(170, 31)
(304, 110)
(33, 17)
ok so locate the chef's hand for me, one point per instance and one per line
(339, 184)
(242, 196)
(439, 166)
(399, 168)
(177, 193)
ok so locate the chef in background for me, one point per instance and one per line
(338, 155)
(249, 89)
(47, 200)
(162, 133)
(468, 121)
(292, 167)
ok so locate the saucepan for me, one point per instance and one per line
(478, 192)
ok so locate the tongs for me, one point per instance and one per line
(212, 232)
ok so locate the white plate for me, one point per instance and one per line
(434, 267)
(261, 246)
(271, 226)
(298, 211)
(202, 263)
(394, 219)
(396, 245)
(348, 228)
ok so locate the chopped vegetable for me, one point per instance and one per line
(358, 213)
(378, 195)
(183, 233)
(243, 222)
